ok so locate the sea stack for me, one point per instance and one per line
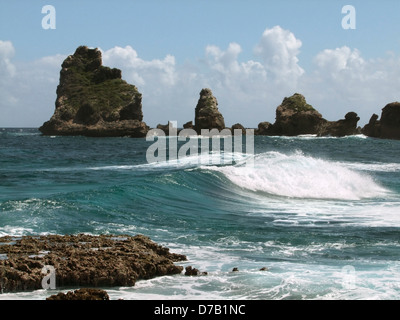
(93, 100)
(293, 117)
(388, 127)
(207, 115)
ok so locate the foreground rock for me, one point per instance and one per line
(83, 261)
(207, 115)
(81, 294)
(93, 100)
(388, 127)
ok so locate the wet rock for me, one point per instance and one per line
(190, 271)
(81, 294)
(84, 261)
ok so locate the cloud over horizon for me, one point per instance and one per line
(340, 80)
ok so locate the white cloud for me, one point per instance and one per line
(279, 48)
(7, 52)
(27, 90)
(341, 62)
(342, 80)
(141, 71)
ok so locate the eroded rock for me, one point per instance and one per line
(83, 261)
(93, 100)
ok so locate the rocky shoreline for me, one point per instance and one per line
(82, 261)
(93, 100)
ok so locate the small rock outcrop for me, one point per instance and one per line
(238, 126)
(263, 128)
(81, 294)
(93, 100)
(341, 128)
(207, 115)
(188, 125)
(388, 127)
(166, 128)
(190, 271)
(83, 261)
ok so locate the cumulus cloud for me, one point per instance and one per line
(7, 52)
(141, 71)
(226, 64)
(27, 90)
(343, 79)
(278, 49)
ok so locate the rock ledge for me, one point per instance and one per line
(83, 261)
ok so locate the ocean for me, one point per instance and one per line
(320, 215)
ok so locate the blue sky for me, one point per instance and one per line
(171, 49)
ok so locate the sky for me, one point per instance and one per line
(251, 54)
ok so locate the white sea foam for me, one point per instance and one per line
(299, 176)
(193, 161)
(373, 167)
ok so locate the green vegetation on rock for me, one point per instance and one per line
(297, 103)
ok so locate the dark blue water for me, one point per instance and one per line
(321, 214)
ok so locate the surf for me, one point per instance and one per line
(296, 175)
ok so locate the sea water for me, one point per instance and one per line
(320, 215)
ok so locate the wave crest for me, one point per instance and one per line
(300, 176)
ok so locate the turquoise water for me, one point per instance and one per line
(321, 214)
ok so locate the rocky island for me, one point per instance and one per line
(296, 117)
(388, 127)
(93, 100)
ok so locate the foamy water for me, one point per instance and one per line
(322, 215)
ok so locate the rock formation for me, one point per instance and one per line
(81, 294)
(207, 115)
(388, 127)
(93, 100)
(238, 126)
(83, 261)
(167, 127)
(341, 128)
(296, 117)
(188, 125)
(190, 271)
(264, 128)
